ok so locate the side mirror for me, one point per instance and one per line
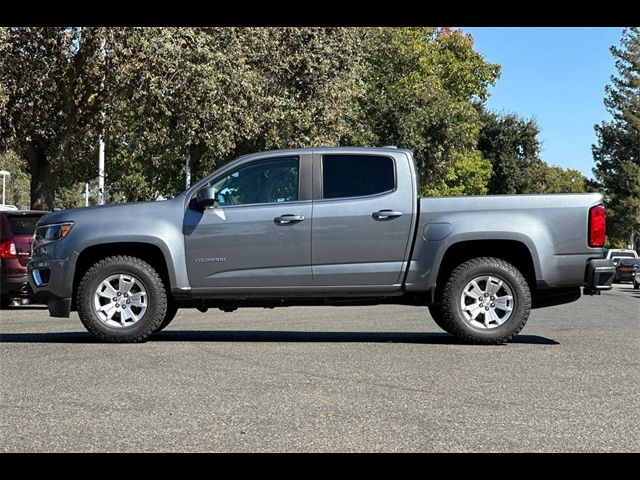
(206, 198)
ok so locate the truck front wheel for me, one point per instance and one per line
(122, 299)
(485, 301)
(438, 317)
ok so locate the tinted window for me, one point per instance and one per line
(264, 181)
(356, 175)
(624, 255)
(23, 224)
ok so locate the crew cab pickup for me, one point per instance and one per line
(320, 226)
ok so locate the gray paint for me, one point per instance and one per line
(338, 249)
(350, 246)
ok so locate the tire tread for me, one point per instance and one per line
(160, 300)
(452, 325)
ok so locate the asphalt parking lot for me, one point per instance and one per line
(325, 379)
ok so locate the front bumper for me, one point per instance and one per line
(51, 282)
(600, 275)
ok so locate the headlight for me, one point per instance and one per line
(52, 232)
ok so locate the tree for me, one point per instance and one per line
(50, 99)
(617, 152)
(467, 175)
(511, 144)
(423, 88)
(17, 185)
(217, 93)
(553, 179)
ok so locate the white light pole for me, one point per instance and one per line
(4, 174)
(101, 171)
(101, 140)
(187, 166)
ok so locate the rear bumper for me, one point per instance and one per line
(600, 275)
(624, 276)
(15, 286)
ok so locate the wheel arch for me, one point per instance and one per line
(513, 251)
(152, 253)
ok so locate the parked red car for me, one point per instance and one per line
(16, 232)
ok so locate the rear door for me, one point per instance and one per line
(363, 213)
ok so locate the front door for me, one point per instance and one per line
(259, 233)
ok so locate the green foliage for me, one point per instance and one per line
(49, 100)
(158, 95)
(422, 87)
(17, 185)
(217, 93)
(617, 153)
(511, 144)
(553, 179)
(468, 175)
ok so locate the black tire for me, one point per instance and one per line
(4, 302)
(438, 317)
(453, 319)
(156, 299)
(169, 316)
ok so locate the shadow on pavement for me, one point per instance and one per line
(268, 336)
(24, 307)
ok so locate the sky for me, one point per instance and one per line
(556, 75)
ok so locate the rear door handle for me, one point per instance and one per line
(288, 219)
(382, 214)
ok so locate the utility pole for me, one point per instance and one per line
(187, 168)
(4, 174)
(101, 145)
(101, 170)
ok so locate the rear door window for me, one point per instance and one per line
(345, 176)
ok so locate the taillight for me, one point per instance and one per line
(8, 249)
(597, 226)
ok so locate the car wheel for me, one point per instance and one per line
(122, 299)
(485, 301)
(4, 301)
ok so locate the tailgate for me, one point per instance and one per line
(22, 227)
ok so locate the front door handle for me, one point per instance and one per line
(383, 214)
(288, 219)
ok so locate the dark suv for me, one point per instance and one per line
(16, 232)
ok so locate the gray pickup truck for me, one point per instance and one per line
(321, 226)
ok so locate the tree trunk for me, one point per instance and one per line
(42, 183)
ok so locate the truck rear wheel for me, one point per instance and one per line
(485, 301)
(122, 299)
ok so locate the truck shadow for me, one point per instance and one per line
(268, 336)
